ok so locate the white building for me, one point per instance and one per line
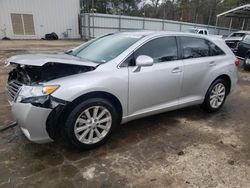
(32, 19)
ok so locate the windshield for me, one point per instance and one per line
(237, 34)
(106, 48)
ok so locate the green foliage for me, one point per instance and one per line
(196, 11)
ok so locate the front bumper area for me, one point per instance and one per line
(32, 120)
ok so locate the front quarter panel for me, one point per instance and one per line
(111, 80)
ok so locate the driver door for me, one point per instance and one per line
(156, 87)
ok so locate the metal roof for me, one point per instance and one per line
(239, 12)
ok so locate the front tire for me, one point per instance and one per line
(90, 123)
(215, 96)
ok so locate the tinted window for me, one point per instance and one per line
(246, 39)
(205, 32)
(215, 50)
(194, 47)
(201, 32)
(160, 49)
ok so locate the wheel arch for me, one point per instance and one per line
(227, 79)
(96, 94)
(59, 114)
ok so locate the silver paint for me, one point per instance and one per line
(150, 90)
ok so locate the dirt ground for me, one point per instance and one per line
(183, 148)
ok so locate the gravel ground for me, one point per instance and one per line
(183, 148)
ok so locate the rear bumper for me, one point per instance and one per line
(32, 120)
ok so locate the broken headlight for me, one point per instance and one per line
(35, 94)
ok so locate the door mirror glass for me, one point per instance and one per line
(144, 61)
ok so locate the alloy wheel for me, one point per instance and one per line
(93, 124)
(217, 95)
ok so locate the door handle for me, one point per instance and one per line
(212, 63)
(176, 70)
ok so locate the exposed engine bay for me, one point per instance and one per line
(31, 75)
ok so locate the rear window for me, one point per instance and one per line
(215, 50)
(237, 34)
(201, 32)
(194, 47)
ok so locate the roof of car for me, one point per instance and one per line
(149, 32)
(155, 33)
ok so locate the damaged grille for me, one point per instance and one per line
(13, 87)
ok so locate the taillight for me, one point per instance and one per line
(237, 62)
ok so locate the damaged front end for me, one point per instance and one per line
(33, 106)
(27, 83)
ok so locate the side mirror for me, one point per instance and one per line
(144, 61)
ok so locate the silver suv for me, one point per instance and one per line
(83, 94)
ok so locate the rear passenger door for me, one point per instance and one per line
(199, 62)
(158, 86)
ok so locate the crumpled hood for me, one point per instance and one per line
(41, 59)
(234, 39)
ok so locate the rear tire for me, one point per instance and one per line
(246, 63)
(90, 124)
(215, 96)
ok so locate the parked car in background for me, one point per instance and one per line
(200, 31)
(243, 51)
(84, 94)
(234, 38)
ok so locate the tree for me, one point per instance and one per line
(196, 11)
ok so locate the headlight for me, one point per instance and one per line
(49, 89)
(35, 91)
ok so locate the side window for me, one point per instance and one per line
(246, 39)
(215, 50)
(205, 32)
(200, 32)
(160, 49)
(194, 47)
